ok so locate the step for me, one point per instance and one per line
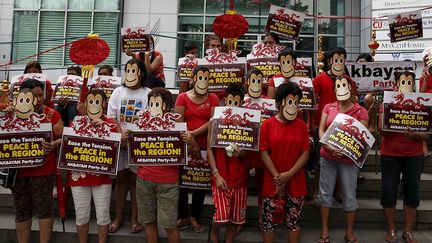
(249, 234)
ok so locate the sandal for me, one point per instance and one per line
(391, 236)
(351, 241)
(113, 228)
(183, 224)
(408, 237)
(199, 229)
(324, 239)
(136, 228)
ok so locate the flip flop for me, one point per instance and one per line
(351, 241)
(391, 236)
(198, 229)
(113, 228)
(324, 239)
(136, 228)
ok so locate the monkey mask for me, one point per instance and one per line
(254, 82)
(95, 105)
(201, 82)
(157, 106)
(289, 107)
(132, 75)
(342, 89)
(24, 104)
(337, 64)
(287, 65)
(405, 83)
(233, 100)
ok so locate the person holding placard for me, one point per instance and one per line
(123, 106)
(271, 39)
(333, 164)
(195, 107)
(288, 61)
(67, 109)
(33, 189)
(191, 52)
(284, 146)
(229, 180)
(212, 42)
(35, 67)
(105, 70)
(84, 185)
(157, 186)
(401, 153)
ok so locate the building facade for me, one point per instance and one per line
(28, 27)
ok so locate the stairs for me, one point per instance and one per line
(370, 222)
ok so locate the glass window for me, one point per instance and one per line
(191, 6)
(209, 24)
(331, 26)
(27, 4)
(51, 27)
(254, 25)
(111, 5)
(25, 29)
(53, 4)
(79, 25)
(190, 23)
(307, 27)
(331, 7)
(330, 42)
(246, 7)
(81, 4)
(107, 28)
(215, 6)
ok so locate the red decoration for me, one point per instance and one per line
(89, 51)
(373, 45)
(230, 26)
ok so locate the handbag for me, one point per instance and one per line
(8, 177)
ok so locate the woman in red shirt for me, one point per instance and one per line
(284, 146)
(401, 153)
(195, 107)
(334, 164)
(33, 189)
(84, 185)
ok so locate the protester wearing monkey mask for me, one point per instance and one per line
(254, 83)
(85, 185)
(33, 189)
(333, 162)
(287, 60)
(125, 102)
(401, 153)
(229, 180)
(195, 107)
(284, 147)
(157, 186)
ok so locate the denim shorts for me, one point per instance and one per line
(347, 173)
(157, 202)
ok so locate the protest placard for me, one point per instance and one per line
(17, 80)
(284, 22)
(107, 83)
(307, 101)
(196, 174)
(404, 111)
(135, 39)
(235, 125)
(68, 86)
(405, 26)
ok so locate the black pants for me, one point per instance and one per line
(197, 203)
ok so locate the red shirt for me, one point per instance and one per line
(161, 174)
(285, 142)
(429, 83)
(78, 178)
(48, 94)
(332, 110)
(397, 144)
(196, 115)
(271, 82)
(50, 166)
(159, 71)
(324, 89)
(232, 169)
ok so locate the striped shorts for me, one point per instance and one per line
(230, 205)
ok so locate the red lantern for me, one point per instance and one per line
(88, 52)
(230, 25)
(373, 45)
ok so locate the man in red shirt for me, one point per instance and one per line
(229, 180)
(284, 146)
